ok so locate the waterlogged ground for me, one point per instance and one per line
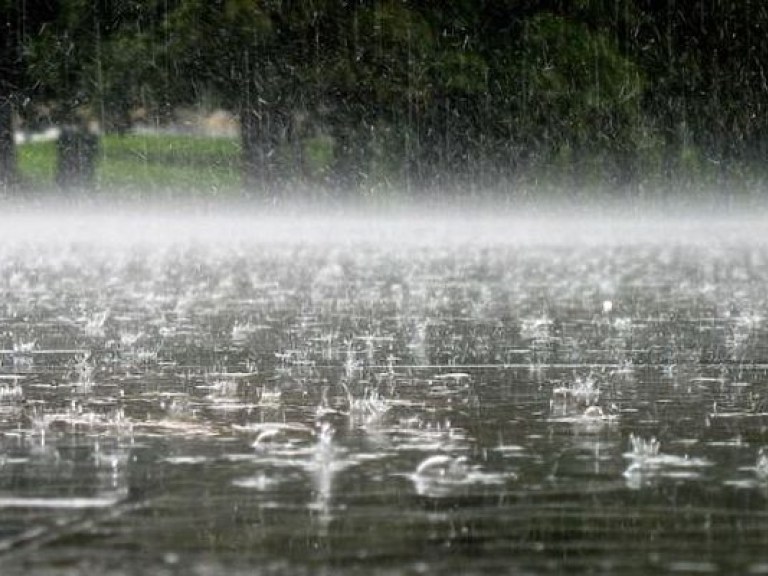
(204, 396)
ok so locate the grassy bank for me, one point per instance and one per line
(177, 167)
(152, 165)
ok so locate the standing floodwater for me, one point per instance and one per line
(208, 396)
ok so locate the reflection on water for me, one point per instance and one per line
(342, 404)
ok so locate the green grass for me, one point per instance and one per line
(37, 163)
(150, 164)
(174, 167)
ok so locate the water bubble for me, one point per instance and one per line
(443, 475)
(648, 463)
(761, 466)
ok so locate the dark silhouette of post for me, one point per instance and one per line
(7, 145)
(77, 151)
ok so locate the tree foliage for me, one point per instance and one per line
(414, 90)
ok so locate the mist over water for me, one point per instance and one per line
(86, 219)
(244, 390)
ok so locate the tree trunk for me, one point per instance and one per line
(77, 151)
(7, 145)
(262, 132)
(252, 161)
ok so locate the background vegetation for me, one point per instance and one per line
(360, 96)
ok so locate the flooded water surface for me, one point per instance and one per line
(208, 396)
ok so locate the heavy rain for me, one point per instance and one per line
(386, 287)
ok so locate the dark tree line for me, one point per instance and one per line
(419, 92)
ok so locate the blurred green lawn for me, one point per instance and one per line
(151, 164)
